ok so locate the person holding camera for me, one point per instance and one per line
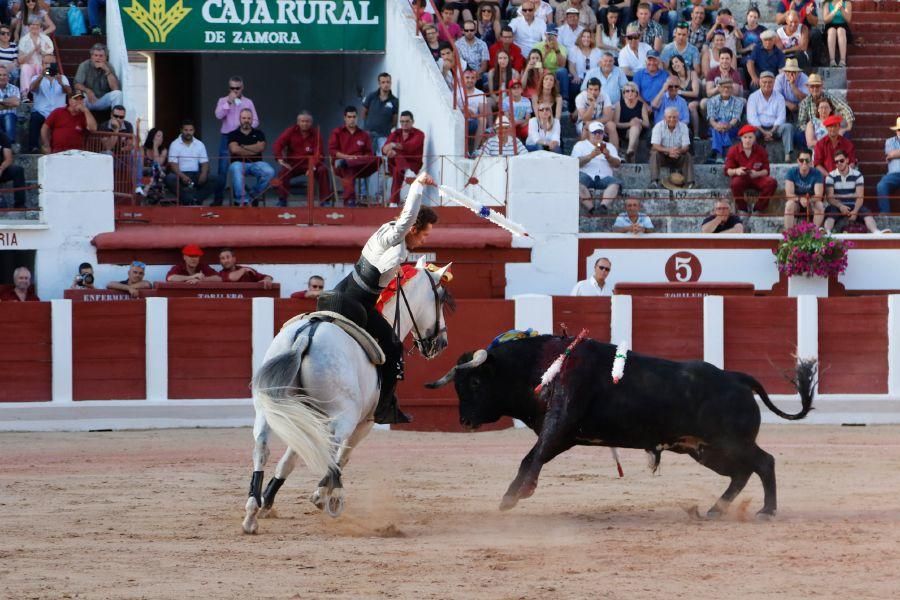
(596, 161)
(49, 92)
(85, 278)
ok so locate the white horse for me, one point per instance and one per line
(319, 395)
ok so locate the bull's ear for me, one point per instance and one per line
(421, 264)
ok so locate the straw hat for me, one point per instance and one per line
(674, 181)
(897, 126)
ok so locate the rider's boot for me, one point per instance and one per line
(388, 412)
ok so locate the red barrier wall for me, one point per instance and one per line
(668, 327)
(853, 345)
(760, 338)
(579, 313)
(286, 308)
(209, 348)
(473, 325)
(27, 368)
(109, 350)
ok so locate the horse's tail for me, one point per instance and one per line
(293, 415)
(804, 382)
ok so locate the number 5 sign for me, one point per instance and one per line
(683, 267)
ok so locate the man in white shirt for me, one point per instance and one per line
(570, 30)
(767, 112)
(527, 30)
(596, 161)
(188, 176)
(634, 55)
(670, 146)
(596, 285)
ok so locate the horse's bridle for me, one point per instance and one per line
(426, 345)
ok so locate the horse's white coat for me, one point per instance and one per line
(337, 379)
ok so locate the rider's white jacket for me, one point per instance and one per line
(386, 249)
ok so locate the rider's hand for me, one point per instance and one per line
(425, 179)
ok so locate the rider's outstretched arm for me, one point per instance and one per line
(391, 236)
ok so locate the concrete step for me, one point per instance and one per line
(708, 177)
(833, 77)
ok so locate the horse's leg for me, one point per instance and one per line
(329, 494)
(260, 457)
(285, 467)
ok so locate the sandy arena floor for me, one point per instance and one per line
(157, 514)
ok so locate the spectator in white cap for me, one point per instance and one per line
(586, 17)
(504, 142)
(570, 29)
(596, 161)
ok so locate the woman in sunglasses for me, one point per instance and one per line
(584, 57)
(488, 23)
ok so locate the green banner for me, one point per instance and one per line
(254, 25)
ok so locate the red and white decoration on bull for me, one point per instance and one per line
(618, 368)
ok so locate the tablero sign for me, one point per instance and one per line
(254, 25)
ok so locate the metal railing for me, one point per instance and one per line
(128, 158)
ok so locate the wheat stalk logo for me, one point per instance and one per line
(158, 23)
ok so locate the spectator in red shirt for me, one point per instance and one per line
(831, 143)
(234, 273)
(22, 291)
(351, 150)
(506, 44)
(314, 288)
(404, 149)
(190, 270)
(294, 148)
(747, 163)
(66, 126)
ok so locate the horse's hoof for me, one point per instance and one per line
(715, 512)
(765, 515)
(317, 498)
(508, 502)
(267, 513)
(335, 505)
(250, 524)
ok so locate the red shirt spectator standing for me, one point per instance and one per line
(404, 149)
(828, 145)
(190, 270)
(66, 126)
(506, 44)
(747, 163)
(294, 148)
(22, 291)
(351, 150)
(234, 273)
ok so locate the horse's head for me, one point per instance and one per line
(421, 305)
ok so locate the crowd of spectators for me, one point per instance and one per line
(191, 270)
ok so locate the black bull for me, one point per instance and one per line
(686, 407)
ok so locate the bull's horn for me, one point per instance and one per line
(477, 359)
(442, 381)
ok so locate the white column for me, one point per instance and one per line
(157, 341)
(893, 345)
(714, 330)
(263, 329)
(61, 349)
(534, 311)
(808, 328)
(620, 321)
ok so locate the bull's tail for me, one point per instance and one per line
(804, 382)
(292, 415)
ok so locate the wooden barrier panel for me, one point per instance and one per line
(101, 295)
(473, 325)
(668, 327)
(695, 289)
(109, 350)
(27, 367)
(853, 345)
(216, 290)
(287, 308)
(576, 313)
(209, 348)
(760, 339)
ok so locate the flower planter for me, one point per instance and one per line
(805, 285)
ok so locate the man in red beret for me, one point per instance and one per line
(747, 163)
(190, 270)
(831, 143)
